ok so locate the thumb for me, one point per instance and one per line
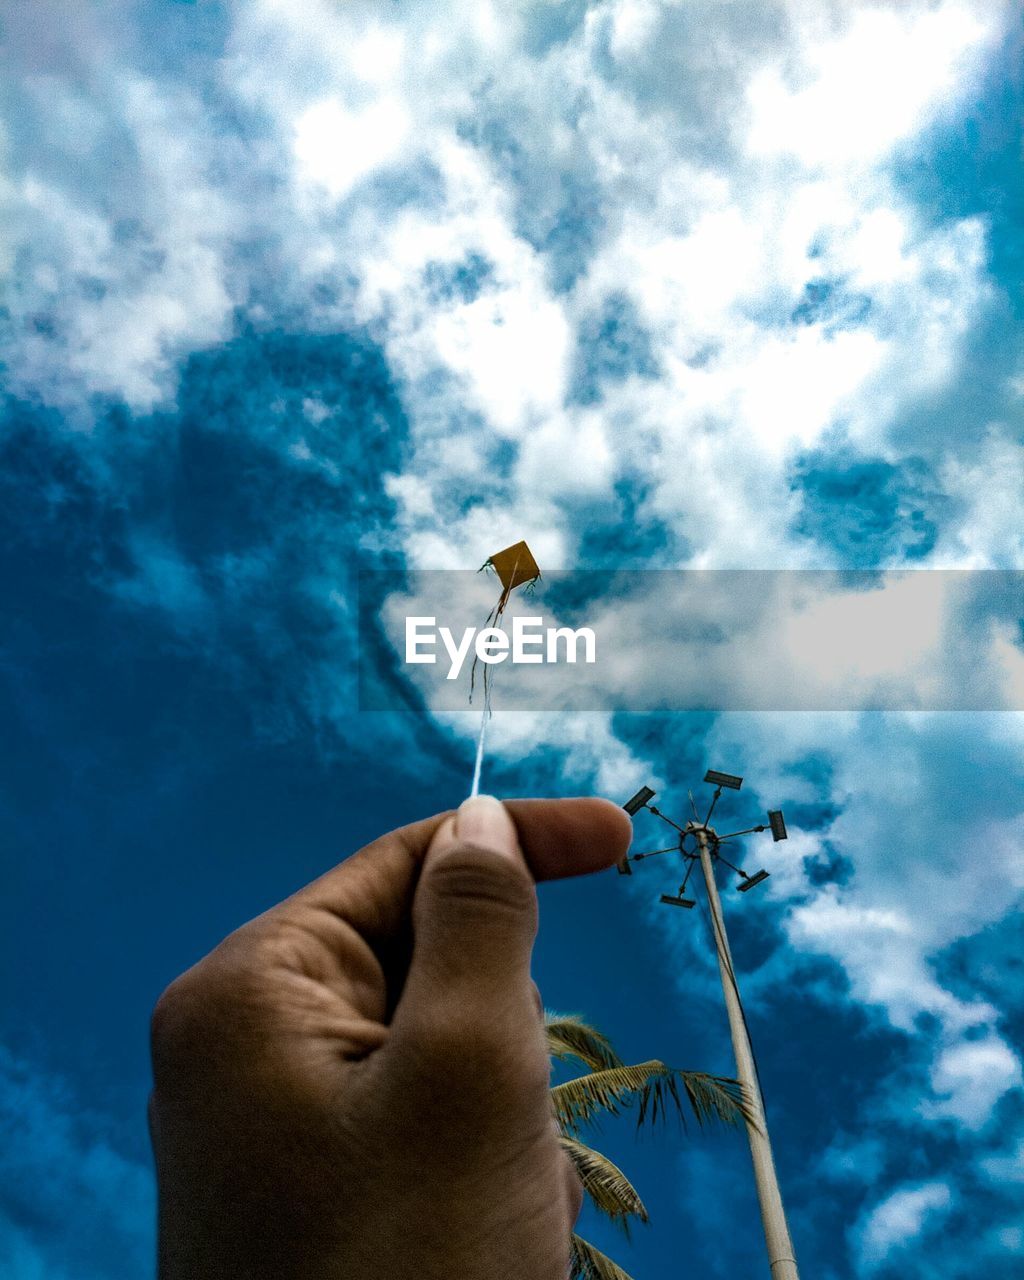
(474, 918)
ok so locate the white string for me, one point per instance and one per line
(475, 788)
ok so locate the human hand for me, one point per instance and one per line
(355, 1084)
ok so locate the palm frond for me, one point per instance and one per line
(717, 1098)
(577, 1101)
(570, 1037)
(588, 1263)
(609, 1189)
(656, 1088)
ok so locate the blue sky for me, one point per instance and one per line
(291, 290)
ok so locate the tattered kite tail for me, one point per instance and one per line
(493, 619)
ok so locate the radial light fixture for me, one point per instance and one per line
(777, 824)
(729, 780)
(639, 801)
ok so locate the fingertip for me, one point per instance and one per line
(570, 837)
(620, 826)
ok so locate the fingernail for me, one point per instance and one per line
(484, 820)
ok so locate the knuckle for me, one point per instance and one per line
(200, 1007)
(175, 1015)
(477, 879)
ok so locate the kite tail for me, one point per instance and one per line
(489, 621)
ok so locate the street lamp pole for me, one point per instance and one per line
(781, 1258)
(776, 1233)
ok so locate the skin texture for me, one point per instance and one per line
(355, 1084)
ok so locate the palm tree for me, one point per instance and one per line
(609, 1086)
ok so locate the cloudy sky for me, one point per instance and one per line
(294, 290)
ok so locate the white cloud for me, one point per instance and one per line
(862, 91)
(930, 836)
(715, 252)
(1011, 1239)
(1006, 1169)
(990, 484)
(121, 237)
(971, 1076)
(899, 1219)
(336, 148)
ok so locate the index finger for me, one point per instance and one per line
(373, 889)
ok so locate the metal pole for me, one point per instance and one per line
(776, 1232)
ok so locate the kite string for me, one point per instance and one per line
(485, 714)
(475, 788)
